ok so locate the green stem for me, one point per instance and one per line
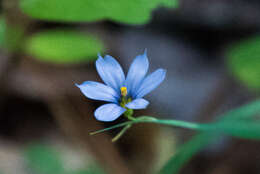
(129, 114)
(110, 128)
(176, 123)
(147, 119)
(119, 135)
(130, 117)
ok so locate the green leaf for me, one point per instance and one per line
(242, 116)
(248, 130)
(248, 111)
(44, 160)
(243, 61)
(129, 12)
(63, 47)
(185, 152)
(240, 129)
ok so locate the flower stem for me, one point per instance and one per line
(130, 117)
(129, 114)
(148, 119)
(119, 135)
(175, 123)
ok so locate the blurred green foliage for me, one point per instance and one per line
(54, 46)
(10, 36)
(89, 170)
(2, 31)
(241, 122)
(43, 159)
(129, 12)
(63, 47)
(244, 61)
(185, 153)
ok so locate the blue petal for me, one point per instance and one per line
(109, 112)
(151, 82)
(136, 73)
(110, 72)
(98, 91)
(139, 103)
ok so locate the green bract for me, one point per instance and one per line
(244, 61)
(129, 12)
(63, 46)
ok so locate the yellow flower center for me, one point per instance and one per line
(123, 91)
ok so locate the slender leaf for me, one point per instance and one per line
(240, 129)
(185, 152)
(199, 141)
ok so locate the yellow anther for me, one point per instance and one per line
(123, 91)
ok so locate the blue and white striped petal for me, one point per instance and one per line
(150, 83)
(109, 112)
(139, 103)
(98, 91)
(137, 72)
(110, 72)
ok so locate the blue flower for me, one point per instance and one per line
(124, 94)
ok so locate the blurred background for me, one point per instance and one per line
(211, 50)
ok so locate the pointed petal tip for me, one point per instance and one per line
(110, 71)
(145, 54)
(99, 54)
(82, 84)
(137, 72)
(151, 82)
(145, 51)
(99, 57)
(111, 60)
(108, 58)
(163, 70)
(98, 91)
